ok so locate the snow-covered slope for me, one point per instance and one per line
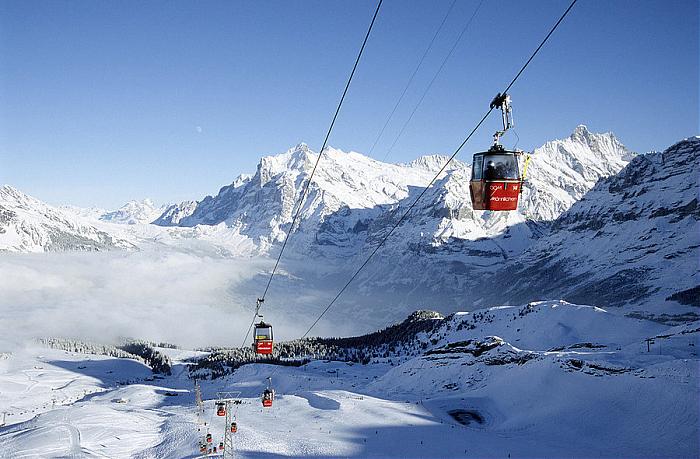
(29, 225)
(548, 379)
(632, 241)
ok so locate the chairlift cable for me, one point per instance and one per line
(459, 148)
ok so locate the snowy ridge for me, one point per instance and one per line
(29, 225)
(352, 197)
(261, 206)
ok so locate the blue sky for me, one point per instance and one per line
(106, 101)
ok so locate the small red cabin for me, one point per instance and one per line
(234, 427)
(496, 182)
(221, 446)
(262, 338)
(208, 438)
(220, 409)
(267, 397)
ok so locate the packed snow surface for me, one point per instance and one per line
(546, 379)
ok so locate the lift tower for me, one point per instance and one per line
(231, 400)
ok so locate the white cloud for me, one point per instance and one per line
(191, 294)
(188, 299)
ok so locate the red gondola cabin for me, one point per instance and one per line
(267, 397)
(220, 409)
(496, 181)
(262, 338)
(208, 438)
(234, 427)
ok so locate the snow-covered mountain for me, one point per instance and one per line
(633, 240)
(434, 259)
(261, 206)
(88, 213)
(134, 212)
(351, 192)
(352, 198)
(29, 225)
(173, 214)
(562, 171)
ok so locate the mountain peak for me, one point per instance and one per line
(581, 131)
(143, 211)
(429, 162)
(603, 142)
(300, 152)
(301, 146)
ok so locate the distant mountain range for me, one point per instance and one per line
(29, 225)
(596, 223)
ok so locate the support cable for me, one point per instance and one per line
(410, 80)
(459, 148)
(430, 85)
(302, 197)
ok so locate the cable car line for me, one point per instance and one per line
(471, 133)
(500, 101)
(302, 197)
(425, 92)
(323, 147)
(410, 80)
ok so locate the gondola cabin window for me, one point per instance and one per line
(500, 167)
(263, 333)
(262, 338)
(476, 168)
(496, 181)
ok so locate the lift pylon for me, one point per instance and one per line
(230, 399)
